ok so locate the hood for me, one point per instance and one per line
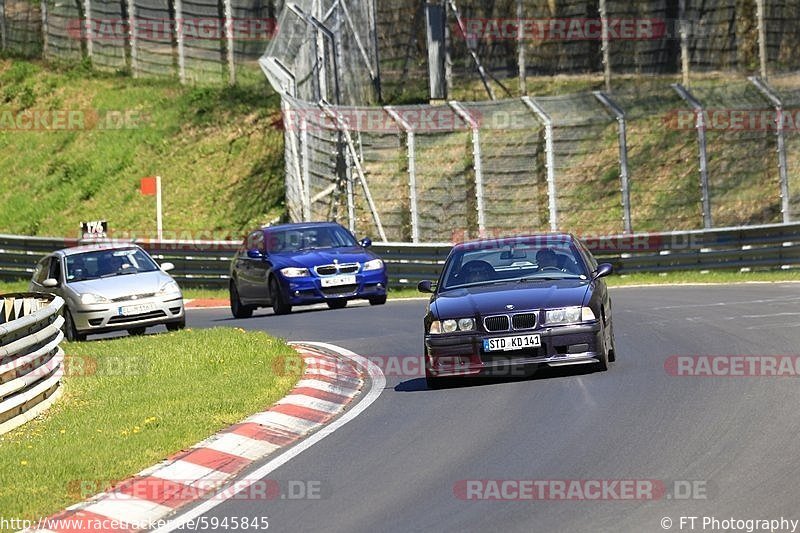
(120, 286)
(324, 256)
(493, 299)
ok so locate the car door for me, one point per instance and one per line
(260, 269)
(249, 268)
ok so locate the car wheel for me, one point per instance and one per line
(70, 331)
(612, 351)
(135, 332)
(377, 300)
(279, 305)
(237, 309)
(175, 326)
(602, 364)
(339, 303)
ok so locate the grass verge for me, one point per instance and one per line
(131, 402)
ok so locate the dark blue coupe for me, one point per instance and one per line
(503, 304)
(300, 264)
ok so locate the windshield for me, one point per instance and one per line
(296, 239)
(107, 263)
(518, 262)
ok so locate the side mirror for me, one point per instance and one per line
(603, 269)
(255, 254)
(366, 242)
(166, 267)
(426, 286)
(50, 283)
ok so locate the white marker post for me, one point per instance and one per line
(159, 225)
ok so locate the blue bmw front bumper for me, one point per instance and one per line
(311, 289)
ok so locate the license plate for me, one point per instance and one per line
(338, 280)
(505, 344)
(138, 309)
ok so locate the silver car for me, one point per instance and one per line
(110, 287)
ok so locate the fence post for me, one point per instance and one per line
(780, 132)
(477, 159)
(179, 38)
(684, 32)
(700, 124)
(45, 36)
(87, 24)
(306, 173)
(132, 37)
(521, 66)
(229, 40)
(762, 38)
(412, 170)
(605, 45)
(606, 100)
(3, 24)
(550, 158)
(294, 188)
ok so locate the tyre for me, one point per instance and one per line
(279, 304)
(70, 331)
(612, 351)
(338, 303)
(135, 332)
(377, 300)
(175, 326)
(238, 310)
(602, 364)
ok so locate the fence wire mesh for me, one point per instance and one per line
(62, 38)
(21, 27)
(109, 50)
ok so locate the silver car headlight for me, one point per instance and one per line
(374, 264)
(92, 298)
(292, 272)
(568, 315)
(170, 288)
(452, 325)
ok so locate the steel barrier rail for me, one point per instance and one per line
(206, 263)
(31, 360)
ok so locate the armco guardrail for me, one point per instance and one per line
(31, 360)
(205, 263)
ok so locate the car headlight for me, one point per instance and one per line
(92, 298)
(452, 325)
(375, 264)
(292, 272)
(170, 287)
(568, 315)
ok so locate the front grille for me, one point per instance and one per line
(331, 270)
(496, 323)
(131, 297)
(340, 290)
(524, 321)
(135, 318)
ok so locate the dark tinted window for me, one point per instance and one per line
(42, 269)
(54, 271)
(310, 238)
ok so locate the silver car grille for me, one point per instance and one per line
(336, 268)
(134, 297)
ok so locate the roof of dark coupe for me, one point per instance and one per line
(531, 239)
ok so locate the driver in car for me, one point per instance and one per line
(547, 258)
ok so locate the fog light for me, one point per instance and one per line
(578, 348)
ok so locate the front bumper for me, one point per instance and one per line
(102, 318)
(309, 290)
(462, 354)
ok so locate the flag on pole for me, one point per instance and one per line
(148, 186)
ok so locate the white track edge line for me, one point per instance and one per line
(377, 384)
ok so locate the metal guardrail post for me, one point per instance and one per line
(550, 158)
(477, 160)
(229, 42)
(412, 170)
(783, 169)
(700, 124)
(306, 173)
(3, 24)
(132, 35)
(87, 24)
(179, 39)
(607, 101)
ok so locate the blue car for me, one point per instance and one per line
(302, 264)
